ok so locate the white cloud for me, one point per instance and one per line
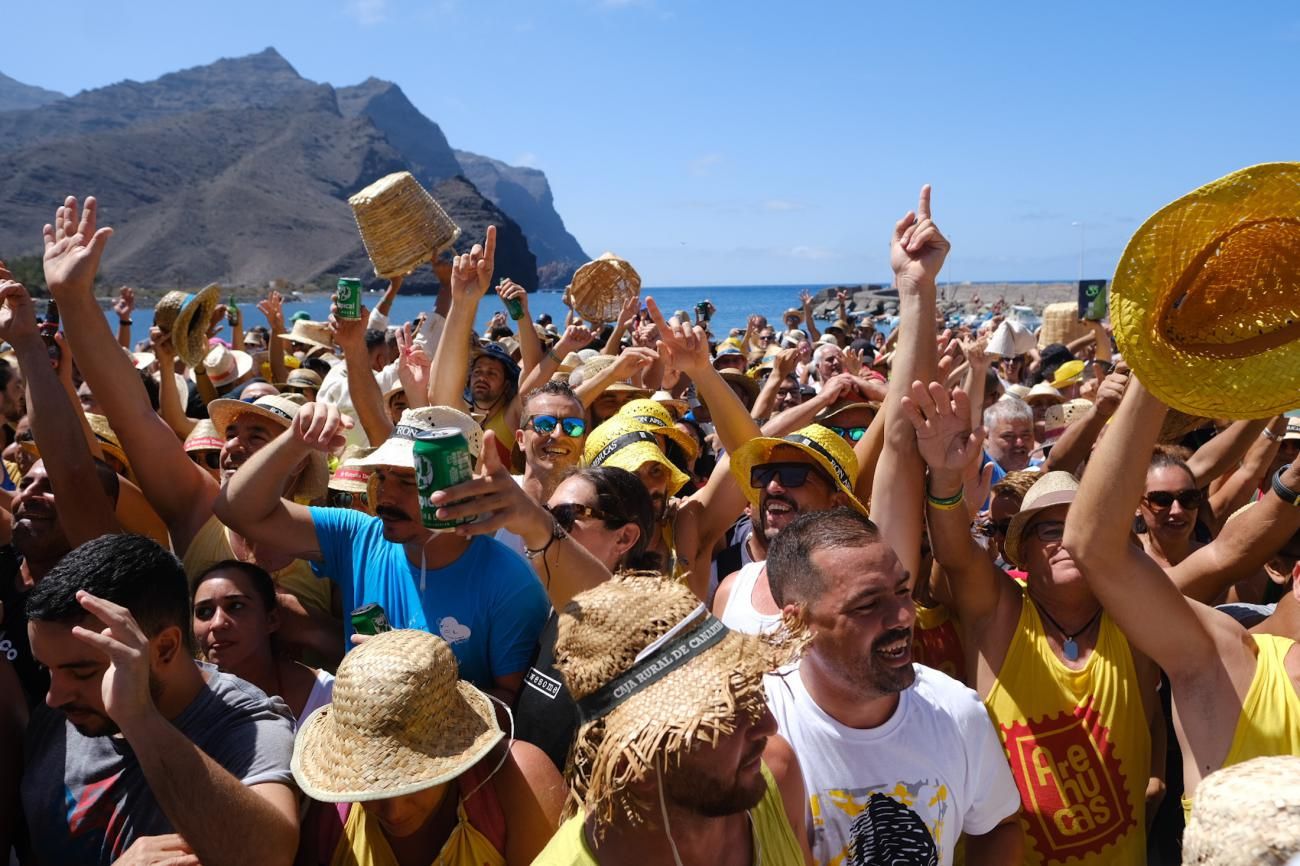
(702, 166)
(368, 12)
(781, 205)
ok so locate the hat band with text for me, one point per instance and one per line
(800, 439)
(620, 442)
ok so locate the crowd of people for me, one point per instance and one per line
(777, 596)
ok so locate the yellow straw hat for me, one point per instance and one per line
(629, 444)
(401, 721)
(1205, 302)
(1054, 488)
(185, 317)
(652, 415)
(827, 450)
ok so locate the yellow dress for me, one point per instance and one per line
(1269, 723)
(1078, 745)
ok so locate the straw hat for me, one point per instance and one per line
(1061, 324)
(1058, 418)
(656, 419)
(566, 367)
(227, 366)
(188, 316)
(1069, 373)
(629, 444)
(301, 378)
(637, 709)
(278, 410)
(401, 225)
(749, 385)
(1178, 424)
(204, 437)
(1043, 393)
(108, 441)
(399, 448)
(311, 333)
(827, 450)
(601, 287)
(349, 476)
(1019, 392)
(1206, 298)
(1247, 814)
(1054, 488)
(596, 364)
(676, 407)
(401, 721)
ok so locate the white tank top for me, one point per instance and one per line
(739, 614)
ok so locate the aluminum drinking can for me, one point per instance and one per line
(348, 298)
(515, 307)
(370, 619)
(441, 460)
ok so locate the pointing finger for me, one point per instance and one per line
(490, 245)
(923, 206)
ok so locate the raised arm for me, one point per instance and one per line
(471, 277)
(273, 308)
(576, 336)
(1225, 450)
(782, 366)
(169, 400)
(378, 318)
(530, 348)
(633, 359)
(85, 510)
(181, 492)
(363, 389)
(124, 306)
(1075, 444)
(810, 326)
(1235, 489)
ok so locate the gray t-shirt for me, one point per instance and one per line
(86, 799)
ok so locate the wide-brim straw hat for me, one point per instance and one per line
(401, 225)
(185, 317)
(301, 378)
(1059, 417)
(600, 288)
(1043, 392)
(623, 626)
(311, 333)
(747, 383)
(1178, 424)
(401, 721)
(1247, 814)
(822, 446)
(108, 441)
(838, 409)
(1205, 302)
(204, 437)
(654, 417)
(1061, 324)
(566, 367)
(399, 448)
(1054, 488)
(595, 364)
(629, 444)
(315, 478)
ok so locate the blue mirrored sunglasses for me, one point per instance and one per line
(546, 424)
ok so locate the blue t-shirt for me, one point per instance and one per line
(488, 604)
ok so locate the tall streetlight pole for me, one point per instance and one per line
(1079, 223)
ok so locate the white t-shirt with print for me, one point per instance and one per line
(903, 792)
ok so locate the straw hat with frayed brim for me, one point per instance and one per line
(310, 333)
(185, 317)
(822, 446)
(629, 444)
(401, 721)
(1205, 302)
(1054, 488)
(653, 674)
(401, 225)
(601, 287)
(274, 408)
(399, 448)
(656, 419)
(301, 378)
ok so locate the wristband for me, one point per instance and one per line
(945, 504)
(126, 322)
(1286, 494)
(554, 357)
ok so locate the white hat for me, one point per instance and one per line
(226, 366)
(399, 448)
(1011, 338)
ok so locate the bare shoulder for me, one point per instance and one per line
(723, 593)
(784, 764)
(528, 776)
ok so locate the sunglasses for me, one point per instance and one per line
(345, 498)
(1189, 499)
(210, 459)
(546, 424)
(1048, 530)
(789, 474)
(853, 434)
(566, 514)
(994, 528)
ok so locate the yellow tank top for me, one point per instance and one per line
(363, 844)
(1079, 747)
(1269, 723)
(936, 643)
(773, 835)
(212, 545)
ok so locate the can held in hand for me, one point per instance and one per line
(348, 298)
(370, 619)
(515, 307)
(441, 460)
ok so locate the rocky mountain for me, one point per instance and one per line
(239, 172)
(14, 95)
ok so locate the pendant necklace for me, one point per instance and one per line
(1070, 647)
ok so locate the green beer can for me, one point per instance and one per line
(370, 619)
(348, 298)
(441, 460)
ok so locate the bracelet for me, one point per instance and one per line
(945, 504)
(126, 322)
(1286, 494)
(554, 357)
(557, 533)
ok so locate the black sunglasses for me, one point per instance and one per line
(994, 528)
(566, 514)
(345, 498)
(789, 474)
(208, 458)
(853, 434)
(1189, 499)
(546, 424)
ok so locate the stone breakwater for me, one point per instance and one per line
(874, 298)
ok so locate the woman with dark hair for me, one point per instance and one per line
(1166, 515)
(607, 510)
(235, 616)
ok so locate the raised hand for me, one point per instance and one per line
(320, 426)
(631, 308)
(785, 362)
(73, 248)
(125, 686)
(18, 315)
(1111, 391)
(125, 302)
(350, 334)
(976, 352)
(510, 290)
(687, 346)
(576, 337)
(634, 360)
(218, 320)
(918, 248)
(163, 348)
(273, 308)
(413, 371)
(646, 334)
(471, 274)
(943, 434)
(496, 499)
(806, 298)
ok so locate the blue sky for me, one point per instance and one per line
(738, 143)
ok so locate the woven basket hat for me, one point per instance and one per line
(1246, 815)
(1054, 488)
(401, 225)
(600, 288)
(1061, 324)
(185, 318)
(1205, 302)
(401, 722)
(822, 446)
(601, 634)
